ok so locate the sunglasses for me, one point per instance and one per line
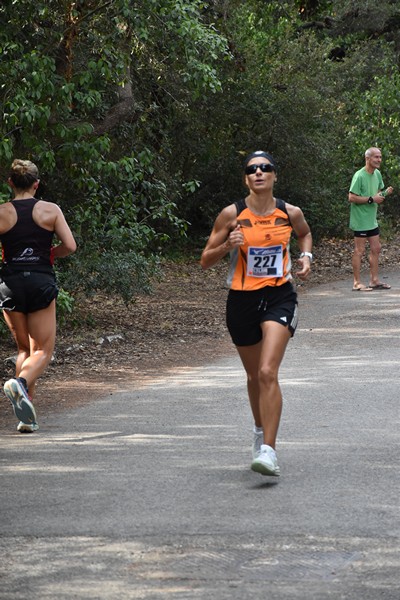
(264, 167)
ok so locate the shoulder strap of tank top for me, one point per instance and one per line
(16, 203)
(281, 204)
(240, 205)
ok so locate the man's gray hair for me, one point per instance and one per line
(370, 150)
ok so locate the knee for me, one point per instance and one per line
(46, 354)
(42, 353)
(376, 249)
(267, 375)
(358, 252)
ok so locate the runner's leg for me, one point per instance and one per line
(41, 329)
(275, 340)
(18, 325)
(250, 357)
(262, 362)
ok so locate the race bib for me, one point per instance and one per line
(265, 262)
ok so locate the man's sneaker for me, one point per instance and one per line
(257, 442)
(266, 462)
(27, 427)
(24, 410)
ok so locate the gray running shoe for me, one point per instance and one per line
(258, 440)
(15, 391)
(27, 427)
(266, 462)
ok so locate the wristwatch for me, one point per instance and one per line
(370, 200)
(310, 256)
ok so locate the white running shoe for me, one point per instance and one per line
(27, 427)
(257, 442)
(266, 462)
(15, 391)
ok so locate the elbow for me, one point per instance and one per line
(71, 247)
(203, 263)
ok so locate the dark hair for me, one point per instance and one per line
(256, 154)
(23, 173)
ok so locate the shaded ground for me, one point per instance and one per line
(181, 324)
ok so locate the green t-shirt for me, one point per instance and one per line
(363, 216)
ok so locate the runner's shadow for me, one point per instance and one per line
(255, 481)
(262, 485)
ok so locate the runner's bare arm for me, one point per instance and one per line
(64, 234)
(304, 238)
(225, 236)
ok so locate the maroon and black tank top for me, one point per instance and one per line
(26, 245)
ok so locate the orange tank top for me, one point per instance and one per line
(264, 258)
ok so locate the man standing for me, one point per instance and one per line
(366, 192)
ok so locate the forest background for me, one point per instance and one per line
(139, 113)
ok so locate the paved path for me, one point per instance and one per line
(148, 493)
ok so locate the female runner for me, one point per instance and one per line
(262, 303)
(28, 289)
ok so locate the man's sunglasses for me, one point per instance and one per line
(264, 167)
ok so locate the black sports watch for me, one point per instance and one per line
(370, 200)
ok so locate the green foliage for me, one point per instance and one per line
(279, 97)
(120, 105)
(376, 119)
(112, 272)
(91, 92)
(299, 85)
(65, 306)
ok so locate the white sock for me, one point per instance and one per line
(257, 430)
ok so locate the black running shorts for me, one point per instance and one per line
(367, 234)
(245, 311)
(27, 291)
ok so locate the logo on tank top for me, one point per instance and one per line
(26, 256)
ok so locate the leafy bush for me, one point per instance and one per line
(65, 306)
(123, 275)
